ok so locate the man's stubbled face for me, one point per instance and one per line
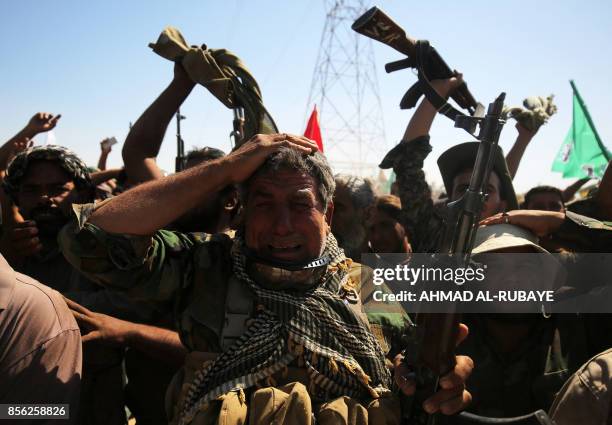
(284, 218)
(348, 223)
(494, 203)
(46, 195)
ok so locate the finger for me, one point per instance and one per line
(25, 232)
(84, 319)
(459, 375)
(55, 119)
(494, 219)
(432, 404)
(405, 379)
(464, 331)
(76, 306)
(27, 251)
(91, 336)
(291, 145)
(26, 244)
(304, 141)
(25, 223)
(405, 384)
(455, 405)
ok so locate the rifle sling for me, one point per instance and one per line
(442, 106)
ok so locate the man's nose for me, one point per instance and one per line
(282, 221)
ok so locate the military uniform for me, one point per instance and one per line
(218, 308)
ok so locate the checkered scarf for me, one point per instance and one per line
(315, 327)
(64, 157)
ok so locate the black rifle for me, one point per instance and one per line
(436, 334)
(179, 164)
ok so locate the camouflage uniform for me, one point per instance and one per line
(193, 279)
(423, 222)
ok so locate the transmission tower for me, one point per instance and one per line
(345, 89)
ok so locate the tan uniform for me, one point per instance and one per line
(40, 345)
(585, 398)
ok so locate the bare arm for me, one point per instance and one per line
(138, 211)
(104, 175)
(513, 159)
(105, 149)
(163, 344)
(421, 121)
(144, 140)
(39, 123)
(571, 190)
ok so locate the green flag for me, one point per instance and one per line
(582, 153)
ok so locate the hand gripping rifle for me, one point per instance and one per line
(436, 334)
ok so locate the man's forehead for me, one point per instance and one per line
(46, 171)
(464, 178)
(288, 181)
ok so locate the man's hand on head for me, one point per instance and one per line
(40, 123)
(245, 160)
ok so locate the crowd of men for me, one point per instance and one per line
(231, 292)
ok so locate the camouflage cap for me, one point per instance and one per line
(65, 158)
(463, 156)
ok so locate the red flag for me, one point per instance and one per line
(313, 131)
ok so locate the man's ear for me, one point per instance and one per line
(329, 215)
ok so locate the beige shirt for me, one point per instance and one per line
(586, 397)
(40, 345)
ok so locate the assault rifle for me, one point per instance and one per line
(433, 356)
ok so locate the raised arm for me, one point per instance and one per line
(513, 159)
(569, 192)
(406, 159)
(41, 122)
(104, 175)
(138, 212)
(144, 140)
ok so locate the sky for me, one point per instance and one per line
(90, 62)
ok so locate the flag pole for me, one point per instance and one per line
(590, 121)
